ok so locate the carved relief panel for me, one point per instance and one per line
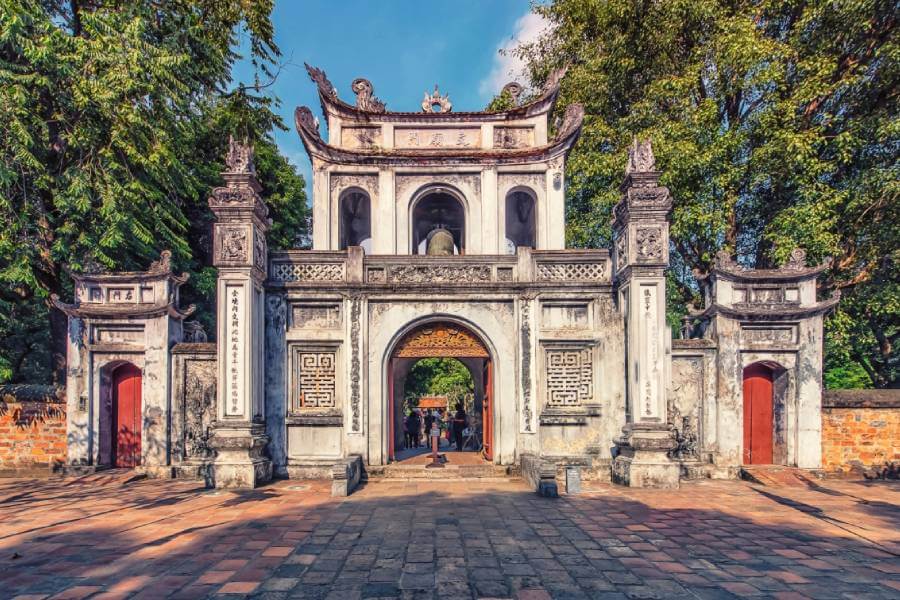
(684, 405)
(232, 244)
(513, 137)
(199, 407)
(316, 316)
(362, 138)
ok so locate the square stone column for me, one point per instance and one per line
(240, 253)
(641, 232)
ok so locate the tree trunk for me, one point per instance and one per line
(59, 332)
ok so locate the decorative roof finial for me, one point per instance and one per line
(797, 260)
(365, 97)
(640, 157)
(163, 265)
(514, 90)
(435, 100)
(240, 157)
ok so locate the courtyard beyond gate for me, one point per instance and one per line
(110, 536)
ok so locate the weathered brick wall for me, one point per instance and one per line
(861, 431)
(32, 429)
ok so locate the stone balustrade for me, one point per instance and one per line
(570, 267)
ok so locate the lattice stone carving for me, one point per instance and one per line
(595, 271)
(316, 379)
(570, 378)
(308, 272)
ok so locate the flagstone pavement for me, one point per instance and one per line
(105, 536)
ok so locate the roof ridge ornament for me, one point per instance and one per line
(554, 79)
(514, 89)
(796, 260)
(365, 96)
(640, 157)
(435, 100)
(321, 80)
(163, 265)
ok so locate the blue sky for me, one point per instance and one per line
(403, 47)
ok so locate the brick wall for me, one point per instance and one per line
(861, 431)
(32, 429)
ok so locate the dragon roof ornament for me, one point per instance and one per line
(365, 96)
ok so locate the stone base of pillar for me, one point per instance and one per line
(642, 459)
(239, 461)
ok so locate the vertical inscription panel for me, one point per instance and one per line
(236, 298)
(651, 367)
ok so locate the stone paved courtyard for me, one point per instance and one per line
(106, 537)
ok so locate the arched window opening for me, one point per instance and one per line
(356, 220)
(433, 217)
(520, 230)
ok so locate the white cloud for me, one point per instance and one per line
(507, 67)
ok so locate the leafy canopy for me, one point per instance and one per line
(114, 117)
(775, 125)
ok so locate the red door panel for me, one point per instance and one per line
(487, 415)
(127, 416)
(758, 416)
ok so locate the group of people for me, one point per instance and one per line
(418, 425)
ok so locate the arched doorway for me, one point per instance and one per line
(443, 340)
(126, 416)
(759, 415)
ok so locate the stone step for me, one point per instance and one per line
(401, 471)
(778, 476)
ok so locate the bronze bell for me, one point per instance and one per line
(440, 243)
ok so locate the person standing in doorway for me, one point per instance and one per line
(429, 419)
(412, 429)
(460, 422)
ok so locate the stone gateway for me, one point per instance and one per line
(442, 234)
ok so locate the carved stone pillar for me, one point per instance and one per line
(641, 232)
(240, 253)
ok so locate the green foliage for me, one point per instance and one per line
(775, 125)
(502, 101)
(439, 377)
(114, 118)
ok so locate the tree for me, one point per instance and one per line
(439, 377)
(775, 125)
(111, 136)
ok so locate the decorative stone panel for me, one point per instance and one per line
(315, 377)
(307, 271)
(340, 182)
(316, 316)
(574, 271)
(569, 375)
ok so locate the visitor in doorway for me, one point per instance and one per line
(460, 422)
(412, 430)
(429, 419)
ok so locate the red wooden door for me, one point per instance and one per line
(758, 416)
(127, 416)
(487, 412)
(391, 415)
